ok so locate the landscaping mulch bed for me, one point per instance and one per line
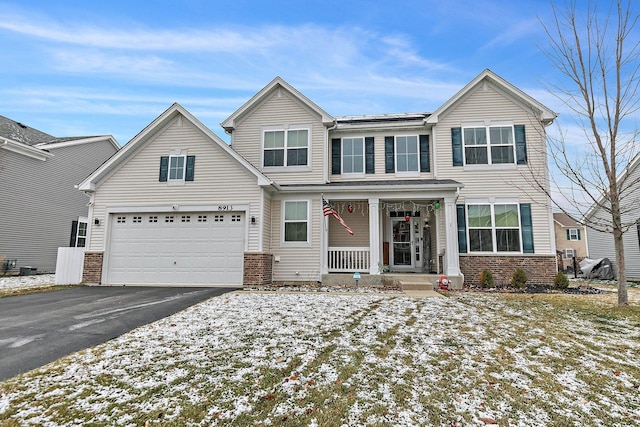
(540, 289)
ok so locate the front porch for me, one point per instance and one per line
(391, 236)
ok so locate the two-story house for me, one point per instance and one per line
(571, 241)
(447, 192)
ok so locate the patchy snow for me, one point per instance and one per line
(32, 281)
(325, 359)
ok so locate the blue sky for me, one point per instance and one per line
(73, 68)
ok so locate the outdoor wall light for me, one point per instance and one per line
(96, 221)
(253, 220)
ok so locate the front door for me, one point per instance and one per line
(405, 243)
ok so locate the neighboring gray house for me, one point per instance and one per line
(41, 209)
(600, 244)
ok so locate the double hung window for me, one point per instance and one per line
(489, 145)
(177, 167)
(407, 153)
(296, 221)
(286, 148)
(494, 228)
(353, 155)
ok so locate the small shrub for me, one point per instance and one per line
(519, 279)
(561, 281)
(486, 279)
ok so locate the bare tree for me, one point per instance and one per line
(596, 53)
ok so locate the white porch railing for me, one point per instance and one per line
(348, 259)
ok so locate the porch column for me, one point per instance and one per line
(324, 243)
(374, 236)
(451, 260)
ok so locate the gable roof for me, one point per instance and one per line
(18, 132)
(31, 142)
(545, 114)
(121, 157)
(565, 220)
(230, 123)
(628, 170)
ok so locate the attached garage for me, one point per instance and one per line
(176, 248)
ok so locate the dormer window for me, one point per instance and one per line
(283, 148)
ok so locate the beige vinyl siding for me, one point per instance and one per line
(304, 260)
(487, 103)
(281, 109)
(266, 222)
(219, 180)
(379, 156)
(359, 224)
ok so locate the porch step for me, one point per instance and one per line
(416, 286)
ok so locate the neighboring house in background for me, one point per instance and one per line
(41, 209)
(600, 244)
(571, 241)
(444, 192)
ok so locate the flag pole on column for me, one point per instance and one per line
(327, 210)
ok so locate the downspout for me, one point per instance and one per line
(326, 156)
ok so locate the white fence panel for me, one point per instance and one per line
(69, 266)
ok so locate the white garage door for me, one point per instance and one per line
(176, 248)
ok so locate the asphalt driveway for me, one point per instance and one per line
(39, 328)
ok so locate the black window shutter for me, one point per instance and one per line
(568, 234)
(462, 229)
(369, 156)
(521, 145)
(526, 228)
(456, 146)
(389, 161)
(578, 234)
(425, 161)
(74, 233)
(191, 165)
(164, 168)
(336, 156)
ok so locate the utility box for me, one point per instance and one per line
(28, 271)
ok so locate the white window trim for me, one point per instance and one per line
(406, 174)
(83, 220)
(174, 153)
(364, 158)
(564, 253)
(306, 244)
(487, 124)
(493, 227)
(286, 129)
(571, 236)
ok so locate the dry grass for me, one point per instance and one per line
(324, 360)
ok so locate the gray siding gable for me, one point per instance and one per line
(40, 200)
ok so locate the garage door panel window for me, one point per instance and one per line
(296, 223)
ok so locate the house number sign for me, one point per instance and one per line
(225, 207)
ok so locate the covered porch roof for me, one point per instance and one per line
(438, 185)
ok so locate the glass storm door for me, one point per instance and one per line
(401, 253)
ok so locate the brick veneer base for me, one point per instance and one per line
(258, 269)
(92, 272)
(541, 270)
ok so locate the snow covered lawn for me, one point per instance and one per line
(330, 360)
(11, 284)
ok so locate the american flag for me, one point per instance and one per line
(327, 209)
